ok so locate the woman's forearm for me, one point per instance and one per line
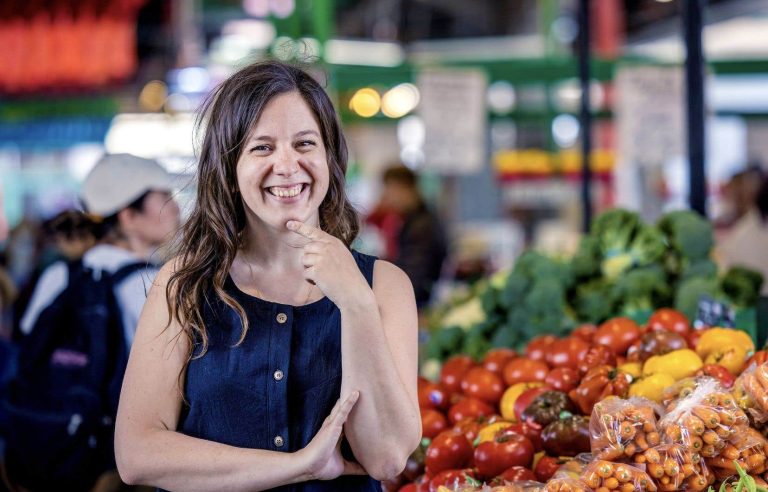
(385, 426)
(174, 461)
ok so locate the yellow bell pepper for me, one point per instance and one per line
(651, 387)
(488, 432)
(508, 399)
(732, 357)
(679, 364)
(634, 369)
(716, 338)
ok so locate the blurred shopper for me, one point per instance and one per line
(79, 325)
(7, 287)
(266, 330)
(419, 245)
(746, 242)
(73, 233)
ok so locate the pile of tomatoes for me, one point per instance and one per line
(477, 424)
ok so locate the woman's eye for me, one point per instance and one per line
(260, 148)
(306, 143)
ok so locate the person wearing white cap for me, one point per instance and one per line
(131, 199)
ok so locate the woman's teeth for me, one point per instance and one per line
(285, 192)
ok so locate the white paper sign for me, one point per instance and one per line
(454, 113)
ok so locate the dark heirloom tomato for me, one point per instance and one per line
(449, 450)
(669, 319)
(567, 436)
(453, 371)
(660, 342)
(618, 334)
(567, 352)
(507, 449)
(525, 371)
(547, 407)
(497, 358)
(538, 347)
(483, 384)
(469, 407)
(525, 399)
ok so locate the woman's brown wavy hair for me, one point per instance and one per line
(209, 240)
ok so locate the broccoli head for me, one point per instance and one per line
(688, 233)
(692, 290)
(614, 230)
(742, 286)
(586, 261)
(642, 289)
(648, 246)
(593, 301)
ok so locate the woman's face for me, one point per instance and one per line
(283, 172)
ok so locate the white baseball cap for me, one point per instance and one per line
(117, 180)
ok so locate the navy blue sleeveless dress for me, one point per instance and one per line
(275, 389)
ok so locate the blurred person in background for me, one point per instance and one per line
(73, 233)
(135, 215)
(7, 287)
(417, 240)
(265, 332)
(745, 243)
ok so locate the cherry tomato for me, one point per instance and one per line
(453, 372)
(597, 355)
(524, 370)
(718, 372)
(432, 423)
(434, 395)
(618, 334)
(449, 450)
(469, 407)
(562, 378)
(506, 450)
(450, 479)
(483, 384)
(670, 320)
(567, 352)
(586, 332)
(496, 359)
(537, 348)
(517, 474)
(546, 467)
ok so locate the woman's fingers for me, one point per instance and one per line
(309, 259)
(352, 468)
(340, 414)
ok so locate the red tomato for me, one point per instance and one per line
(537, 348)
(496, 359)
(453, 371)
(618, 334)
(432, 423)
(526, 398)
(546, 467)
(562, 379)
(517, 474)
(470, 426)
(449, 450)
(586, 332)
(421, 381)
(531, 430)
(434, 395)
(718, 372)
(450, 479)
(670, 320)
(506, 450)
(524, 370)
(416, 487)
(483, 384)
(597, 355)
(567, 352)
(469, 407)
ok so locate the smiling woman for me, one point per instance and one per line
(270, 355)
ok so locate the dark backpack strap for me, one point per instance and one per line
(126, 271)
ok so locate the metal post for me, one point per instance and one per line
(585, 116)
(694, 86)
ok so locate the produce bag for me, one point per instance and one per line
(606, 475)
(748, 448)
(620, 429)
(703, 420)
(675, 467)
(751, 392)
(566, 485)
